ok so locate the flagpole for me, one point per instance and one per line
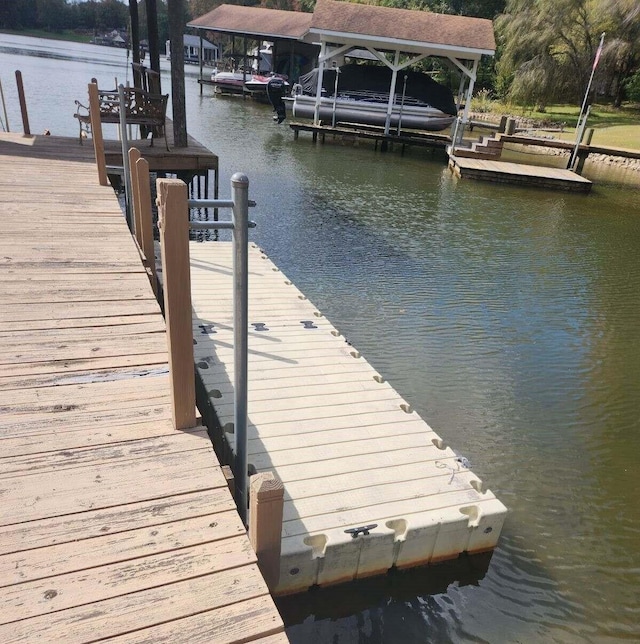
(580, 125)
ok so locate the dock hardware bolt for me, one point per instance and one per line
(355, 532)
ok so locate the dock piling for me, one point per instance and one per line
(265, 525)
(23, 104)
(146, 220)
(173, 223)
(96, 134)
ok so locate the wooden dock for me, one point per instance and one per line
(352, 132)
(518, 173)
(113, 524)
(194, 159)
(351, 453)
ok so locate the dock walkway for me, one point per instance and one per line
(350, 451)
(113, 524)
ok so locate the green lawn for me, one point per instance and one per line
(616, 127)
(40, 33)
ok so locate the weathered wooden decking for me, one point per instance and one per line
(518, 173)
(194, 158)
(349, 450)
(112, 523)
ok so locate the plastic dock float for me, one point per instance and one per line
(368, 484)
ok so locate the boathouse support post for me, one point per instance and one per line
(135, 30)
(96, 134)
(265, 524)
(173, 223)
(176, 31)
(23, 104)
(152, 32)
(321, 65)
(392, 92)
(469, 94)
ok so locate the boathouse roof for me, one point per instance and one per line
(413, 30)
(360, 24)
(255, 21)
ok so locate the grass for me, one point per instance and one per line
(615, 136)
(67, 34)
(615, 127)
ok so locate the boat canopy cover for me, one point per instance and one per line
(377, 79)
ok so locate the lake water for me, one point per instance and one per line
(508, 317)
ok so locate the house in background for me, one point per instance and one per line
(210, 53)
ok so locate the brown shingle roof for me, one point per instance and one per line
(403, 24)
(255, 21)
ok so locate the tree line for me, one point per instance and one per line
(545, 48)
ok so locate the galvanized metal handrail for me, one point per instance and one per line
(239, 225)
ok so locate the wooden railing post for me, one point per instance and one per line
(96, 134)
(23, 104)
(173, 222)
(265, 524)
(146, 220)
(134, 155)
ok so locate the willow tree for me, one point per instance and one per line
(547, 47)
(621, 57)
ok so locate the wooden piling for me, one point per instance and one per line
(146, 221)
(96, 134)
(173, 222)
(23, 104)
(134, 155)
(265, 524)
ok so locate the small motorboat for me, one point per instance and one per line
(230, 82)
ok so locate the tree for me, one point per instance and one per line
(547, 47)
(621, 58)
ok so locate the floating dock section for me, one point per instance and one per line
(368, 484)
(518, 173)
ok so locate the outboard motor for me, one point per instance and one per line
(275, 92)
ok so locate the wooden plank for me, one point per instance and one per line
(153, 607)
(62, 559)
(161, 446)
(74, 528)
(131, 372)
(76, 395)
(107, 484)
(34, 598)
(64, 311)
(245, 621)
(62, 366)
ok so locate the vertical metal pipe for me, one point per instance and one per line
(4, 109)
(125, 154)
(240, 193)
(23, 104)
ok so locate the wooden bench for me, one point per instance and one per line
(141, 108)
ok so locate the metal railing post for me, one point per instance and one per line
(240, 194)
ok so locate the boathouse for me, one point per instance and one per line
(398, 38)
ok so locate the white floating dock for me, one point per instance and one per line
(349, 450)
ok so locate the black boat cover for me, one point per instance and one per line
(368, 82)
